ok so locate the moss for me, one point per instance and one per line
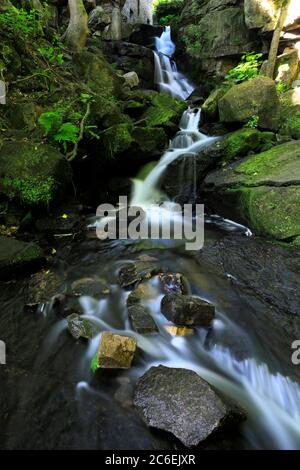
(94, 363)
(117, 139)
(33, 174)
(164, 111)
(243, 141)
(291, 126)
(150, 139)
(270, 211)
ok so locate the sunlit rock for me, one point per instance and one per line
(116, 351)
(131, 79)
(174, 330)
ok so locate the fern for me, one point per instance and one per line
(67, 133)
(51, 121)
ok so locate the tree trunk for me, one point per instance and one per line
(276, 38)
(77, 30)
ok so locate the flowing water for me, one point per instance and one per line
(51, 398)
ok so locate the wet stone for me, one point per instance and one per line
(137, 272)
(174, 330)
(176, 283)
(141, 292)
(141, 320)
(80, 327)
(44, 287)
(187, 310)
(91, 286)
(181, 402)
(116, 351)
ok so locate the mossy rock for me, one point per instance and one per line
(164, 110)
(23, 115)
(262, 191)
(291, 124)
(243, 141)
(117, 139)
(33, 174)
(16, 256)
(150, 139)
(256, 97)
(210, 105)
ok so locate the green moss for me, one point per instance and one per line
(31, 253)
(33, 191)
(150, 139)
(164, 111)
(270, 211)
(291, 126)
(243, 141)
(117, 139)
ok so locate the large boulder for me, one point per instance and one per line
(33, 174)
(181, 402)
(264, 15)
(256, 97)
(261, 190)
(287, 67)
(16, 256)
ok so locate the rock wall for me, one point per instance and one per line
(213, 34)
(138, 11)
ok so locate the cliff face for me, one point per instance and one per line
(213, 34)
(138, 11)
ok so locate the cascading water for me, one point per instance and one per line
(167, 76)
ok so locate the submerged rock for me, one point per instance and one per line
(256, 97)
(16, 256)
(116, 351)
(80, 327)
(187, 310)
(181, 402)
(141, 320)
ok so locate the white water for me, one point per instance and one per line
(167, 76)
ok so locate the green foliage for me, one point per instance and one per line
(247, 69)
(166, 20)
(20, 22)
(192, 39)
(94, 363)
(52, 54)
(253, 122)
(51, 121)
(281, 87)
(67, 133)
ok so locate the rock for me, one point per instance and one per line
(245, 140)
(34, 174)
(130, 57)
(43, 288)
(287, 67)
(23, 115)
(164, 111)
(179, 330)
(256, 97)
(144, 34)
(149, 140)
(17, 256)
(137, 272)
(261, 191)
(131, 79)
(115, 351)
(141, 320)
(91, 286)
(141, 292)
(171, 283)
(264, 15)
(210, 105)
(187, 310)
(181, 402)
(80, 327)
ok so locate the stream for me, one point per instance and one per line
(50, 399)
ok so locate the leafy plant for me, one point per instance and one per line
(94, 363)
(247, 69)
(52, 55)
(67, 133)
(281, 87)
(23, 23)
(253, 122)
(51, 121)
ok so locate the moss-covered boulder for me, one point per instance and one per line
(210, 105)
(116, 139)
(150, 139)
(256, 97)
(246, 140)
(23, 115)
(33, 174)
(262, 190)
(164, 111)
(16, 255)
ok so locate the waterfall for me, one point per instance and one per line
(167, 76)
